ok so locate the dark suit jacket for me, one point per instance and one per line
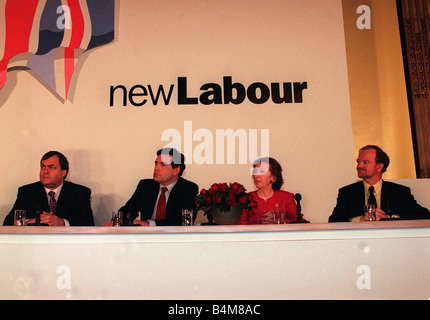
(395, 199)
(144, 198)
(74, 203)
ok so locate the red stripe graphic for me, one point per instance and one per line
(75, 41)
(19, 16)
(31, 26)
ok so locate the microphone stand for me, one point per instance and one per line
(127, 218)
(298, 197)
(37, 223)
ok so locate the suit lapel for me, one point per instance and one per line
(148, 193)
(175, 189)
(385, 191)
(153, 196)
(63, 203)
(41, 200)
(172, 196)
(359, 198)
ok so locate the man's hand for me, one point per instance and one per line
(381, 214)
(51, 219)
(141, 223)
(137, 222)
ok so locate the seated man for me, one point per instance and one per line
(391, 199)
(60, 202)
(160, 200)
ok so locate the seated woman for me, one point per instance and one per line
(267, 175)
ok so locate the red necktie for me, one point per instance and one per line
(161, 205)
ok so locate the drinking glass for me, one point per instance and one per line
(369, 212)
(187, 217)
(278, 216)
(19, 217)
(117, 217)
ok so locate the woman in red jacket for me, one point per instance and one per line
(267, 175)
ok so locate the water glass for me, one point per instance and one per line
(117, 218)
(369, 212)
(278, 216)
(19, 217)
(187, 217)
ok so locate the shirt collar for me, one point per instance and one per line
(377, 186)
(56, 190)
(169, 186)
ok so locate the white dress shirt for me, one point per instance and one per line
(57, 195)
(169, 189)
(377, 192)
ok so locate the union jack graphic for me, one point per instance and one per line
(49, 36)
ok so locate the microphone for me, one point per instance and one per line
(298, 198)
(128, 218)
(37, 221)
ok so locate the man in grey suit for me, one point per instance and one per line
(59, 202)
(392, 200)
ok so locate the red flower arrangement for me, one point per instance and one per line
(224, 196)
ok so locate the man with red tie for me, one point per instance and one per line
(392, 200)
(160, 200)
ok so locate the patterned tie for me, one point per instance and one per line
(52, 201)
(372, 199)
(161, 205)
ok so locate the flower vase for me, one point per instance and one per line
(227, 217)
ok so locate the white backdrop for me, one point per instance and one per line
(111, 148)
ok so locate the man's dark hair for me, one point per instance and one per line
(178, 159)
(381, 156)
(64, 164)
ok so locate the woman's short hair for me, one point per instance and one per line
(275, 169)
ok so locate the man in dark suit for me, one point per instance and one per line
(392, 200)
(159, 207)
(59, 202)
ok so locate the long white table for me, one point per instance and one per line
(370, 260)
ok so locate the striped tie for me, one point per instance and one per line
(52, 201)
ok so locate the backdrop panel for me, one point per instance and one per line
(289, 56)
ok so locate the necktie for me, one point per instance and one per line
(52, 201)
(161, 205)
(372, 199)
